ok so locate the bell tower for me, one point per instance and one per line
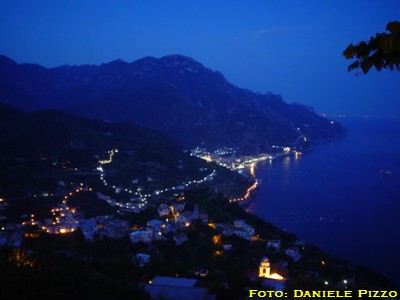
(265, 268)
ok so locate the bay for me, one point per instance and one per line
(336, 198)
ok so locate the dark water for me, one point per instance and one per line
(335, 197)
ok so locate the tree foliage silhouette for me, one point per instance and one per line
(381, 51)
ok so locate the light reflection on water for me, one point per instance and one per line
(336, 198)
(286, 163)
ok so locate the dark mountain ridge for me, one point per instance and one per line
(174, 94)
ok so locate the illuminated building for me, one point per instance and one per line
(276, 272)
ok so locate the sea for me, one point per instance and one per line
(337, 198)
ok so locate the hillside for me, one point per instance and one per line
(173, 94)
(41, 148)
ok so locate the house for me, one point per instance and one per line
(293, 253)
(171, 226)
(275, 272)
(100, 227)
(188, 216)
(180, 238)
(243, 230)
(142, 259)
(60, 229)
(163, 210)
(239, 228)
(166, 227)
(177, 207)
(239, 223)
(227, 247)
(155, 232)
(249, 229)
(174, 288)
(242, 234)
(113, 228)
(140, 236)
(274, 244)
(181, 219)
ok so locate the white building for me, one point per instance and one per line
(163, 210)
(140, 236)
(275, 244)
(239, 223)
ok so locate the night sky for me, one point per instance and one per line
(291, 48)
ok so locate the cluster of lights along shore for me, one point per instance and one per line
(225, 157)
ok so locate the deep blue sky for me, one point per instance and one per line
(291, 48)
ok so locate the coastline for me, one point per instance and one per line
(328, 197)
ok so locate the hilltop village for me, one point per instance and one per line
(184, 237)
